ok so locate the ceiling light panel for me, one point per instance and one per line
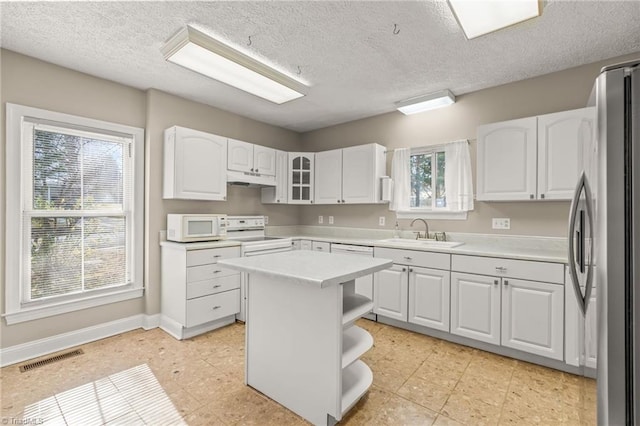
(426, 102)
(198, 52)
(479, 17)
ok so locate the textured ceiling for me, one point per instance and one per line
(358, 58)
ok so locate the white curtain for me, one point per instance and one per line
(401, 176)
(457, 176)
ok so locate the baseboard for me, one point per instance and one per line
(30, 350)
(176, 329)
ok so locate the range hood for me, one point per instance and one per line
(250, 179)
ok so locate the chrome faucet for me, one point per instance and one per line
(426, 228)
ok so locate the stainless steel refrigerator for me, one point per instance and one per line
(604, 241)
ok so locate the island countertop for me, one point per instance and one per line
(309, 267)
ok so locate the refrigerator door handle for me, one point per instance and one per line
(581, 187)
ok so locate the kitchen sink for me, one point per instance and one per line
(423, 243)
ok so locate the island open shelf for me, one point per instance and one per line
(302, 347)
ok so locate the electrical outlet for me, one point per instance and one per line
(320, 220)
(501, 223)
(381, 221)
(330, 220)
(266, 220)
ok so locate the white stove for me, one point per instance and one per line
(249, 230)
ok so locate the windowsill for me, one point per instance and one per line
(430, 214)
(29, 314)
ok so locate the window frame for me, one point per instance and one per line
(18, 147)
(434, 212)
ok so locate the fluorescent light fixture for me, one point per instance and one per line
(479, 17)
(426, 102)
(198, 52)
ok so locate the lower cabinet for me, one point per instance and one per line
(390, 290)
(475, 307)
(429, 291)
(519, 314)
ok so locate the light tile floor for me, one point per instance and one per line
(148, 377)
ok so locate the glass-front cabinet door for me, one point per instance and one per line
(301, 178)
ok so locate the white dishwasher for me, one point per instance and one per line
(364, 285)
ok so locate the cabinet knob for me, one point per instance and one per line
(542, 196)
(506, 282)
(216, 307)
(404, 269)
(501, 269)
(217, 271)
(495, 282)
(256, 170)
(343, 201)
(252, 169)
(531, 196)
(410, 269)
(217, 286)
(277, 201)
(407, 258)
(215, 256)
(338, 201)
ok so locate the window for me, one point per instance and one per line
(78, 215)
(427, 180)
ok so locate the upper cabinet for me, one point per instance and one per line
(250, 158)
(300, 189)
(533, 158)
(349, 175)
(194, 165)
(278, 194)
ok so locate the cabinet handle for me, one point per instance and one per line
(407, 258)
(495, 282)
(215, 256)
(277, 201)
(217, 286)
(542, 196)
(501, 269)
(531, 196)
(216, 307)
(506, 282)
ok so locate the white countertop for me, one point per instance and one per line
(309, 267)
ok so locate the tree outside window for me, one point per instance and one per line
(427, 180)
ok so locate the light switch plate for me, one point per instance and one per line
(330, 220)
(266, 220)
(501, 223)
(381, 221)
(320, 219)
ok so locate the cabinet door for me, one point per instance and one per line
(507, 160)
(359, 180)
(264, 160)
(278, 194)
(390, 292)
(561, 137)
(305, 244)
(328, 177)
(591, 332)
(196, 167)
(475, 307)
(301, 166)
(240, 156)
(429, 291)
(533, 317)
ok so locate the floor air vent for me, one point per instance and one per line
(50, 360)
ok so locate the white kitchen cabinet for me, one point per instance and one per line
(533, 158)
(507, 160)
(391, 290)
(533, 317)
(278, 194)
(194, 165)
(198, 295)
(250, 158)
(349, 175)
(301, 178)
(561, 138)
(513, 307)
(306, 244)
(429, 297)
(416, 289)
(475, 307)
(322, 246)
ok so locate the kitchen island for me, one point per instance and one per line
(302, 347)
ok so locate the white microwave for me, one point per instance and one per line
(186, 228)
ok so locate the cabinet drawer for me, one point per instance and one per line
(524, 269)
(210, 308)
(213, 286)
(205, 256)
(321, 246)
(206, 272)
(425, 259)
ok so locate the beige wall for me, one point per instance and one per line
(34, 83)
(558, 91)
